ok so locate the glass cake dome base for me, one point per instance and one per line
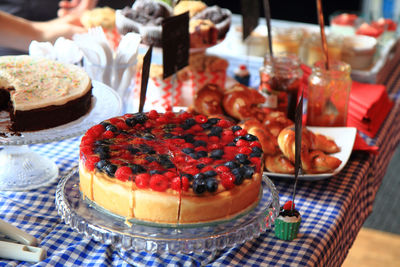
(138, 236)
(23, 169)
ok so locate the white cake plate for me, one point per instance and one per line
(23, 169)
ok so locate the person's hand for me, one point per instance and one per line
(66, 26)
(76, 7)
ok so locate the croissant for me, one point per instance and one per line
(279, 164)
(241, 102)
(275, 121)
(286, 142)
(323, 163)
(268, 141)
(208, 100)
(323, 143)
(312, 160)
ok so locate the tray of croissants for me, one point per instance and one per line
(324, 150)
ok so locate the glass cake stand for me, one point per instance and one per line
(163, 239)
(23, 169)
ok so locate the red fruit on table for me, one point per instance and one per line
(345, 19)
(384, 24)
(288, 205)
(366, 29)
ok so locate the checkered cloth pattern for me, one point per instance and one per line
(333, 211)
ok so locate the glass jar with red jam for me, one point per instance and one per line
(328, 94)
(280, 82)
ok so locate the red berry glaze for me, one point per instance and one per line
(176, 184)
(108, 135)
(244, 150)
(200, 119)
(288, 205)
(227, 180)
(123, 173)
(242, 142)
(221, 169)
(95, 131)
(159, 182)
(91, 161)
(241, 132)
(142, 180)
(153, 114)
(255, 143)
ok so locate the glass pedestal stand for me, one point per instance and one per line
(163, 259)
(200, 242)
(23, 169)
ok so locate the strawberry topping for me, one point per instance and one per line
(108, 135)
(91, 161)
(142, 180)
(123, 173)
(200, 119)
(288, 205)
(95, 131)
(159, 182)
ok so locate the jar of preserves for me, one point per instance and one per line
(280, 82)
(328, 94)
(311, 51)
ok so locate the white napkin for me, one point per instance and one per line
(67, 51)
(42, 50)
(63, 50)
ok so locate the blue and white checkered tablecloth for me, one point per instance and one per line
(333, 211)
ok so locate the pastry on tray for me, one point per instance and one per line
(174, 168)
(42, 93)
(273, 129)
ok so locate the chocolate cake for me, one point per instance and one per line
(41, 93)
